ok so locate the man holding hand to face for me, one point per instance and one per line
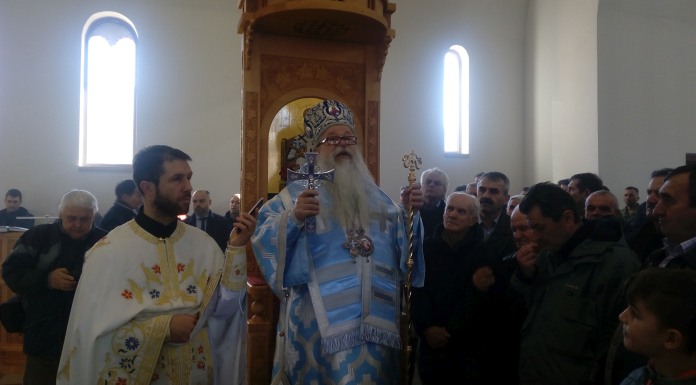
(572, 278)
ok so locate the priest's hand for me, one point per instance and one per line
(483, 278)
(412, 196)
(180, 327)
(243, 230)
(60, 279)
(436, 336)
(307, 205)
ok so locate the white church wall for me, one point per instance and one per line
(188, 94)
(493, 32)
(647, 92)
(561, 92)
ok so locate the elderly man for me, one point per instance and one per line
(572, 278)
(434, 185)
(339, 278)
(205, 219)
(451, 312)
(513, 307)
(602, 204)
(45, 267)
(512, 203)
(158, 302)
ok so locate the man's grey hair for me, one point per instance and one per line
(614, 201)
(435, 171)
(78, 198)
(474, 202)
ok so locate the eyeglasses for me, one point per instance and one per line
(336, 140)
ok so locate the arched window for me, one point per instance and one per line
(455, 104)
(107, 98)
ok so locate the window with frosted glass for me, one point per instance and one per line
(456, 101)
(107, 124)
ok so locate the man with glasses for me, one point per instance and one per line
(434, 185)
(336, 257)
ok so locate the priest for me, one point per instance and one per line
(158, 302)
(336, 257)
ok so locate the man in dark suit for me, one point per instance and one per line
(215, 225)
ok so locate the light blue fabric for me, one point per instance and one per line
(341, 319)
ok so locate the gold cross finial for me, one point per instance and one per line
(412, 162)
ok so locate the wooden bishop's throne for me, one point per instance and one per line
(295, 53)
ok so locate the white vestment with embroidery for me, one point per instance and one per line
(132, 283)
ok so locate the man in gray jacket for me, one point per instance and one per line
(573, 279)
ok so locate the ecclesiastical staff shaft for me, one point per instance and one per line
(412, 162)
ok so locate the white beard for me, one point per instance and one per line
(351, 189)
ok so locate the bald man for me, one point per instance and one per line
(213, 224)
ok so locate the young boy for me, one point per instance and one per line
(660, 323)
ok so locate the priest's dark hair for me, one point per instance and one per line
(148, 163)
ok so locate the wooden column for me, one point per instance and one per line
(11, 356)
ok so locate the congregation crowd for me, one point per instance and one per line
(557, 284)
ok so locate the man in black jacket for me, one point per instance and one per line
(676, 214)
(13, 209)
(215, 225)
(434, 185)
(493, 195)
(44, 267)
(128, 201)
(451, 311)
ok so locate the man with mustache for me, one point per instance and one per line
(493, 195)
(158, 302)
(340, 280)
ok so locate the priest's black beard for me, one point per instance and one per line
(167, 206)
